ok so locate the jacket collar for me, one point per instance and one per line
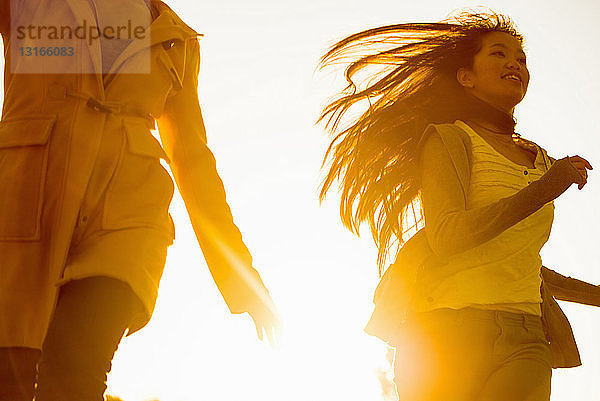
(166, 26)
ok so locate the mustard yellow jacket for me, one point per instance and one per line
(398, 290)
(50, 131)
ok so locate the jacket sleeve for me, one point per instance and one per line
(4, 19)
(571, 289)
(451, 227)
(193, 165)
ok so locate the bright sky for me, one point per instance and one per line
(260, 99)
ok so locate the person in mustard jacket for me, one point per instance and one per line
(84, 221)
(468, 304)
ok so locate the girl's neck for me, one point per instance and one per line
(492, 131)
(492, 120)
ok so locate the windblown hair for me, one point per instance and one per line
(404, 75)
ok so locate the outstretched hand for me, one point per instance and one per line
(581, 165)
(266, 319)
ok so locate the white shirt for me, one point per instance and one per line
(112, 13)
(504, 272)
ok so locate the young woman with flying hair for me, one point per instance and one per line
(468, 304)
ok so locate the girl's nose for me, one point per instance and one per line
(513, 63)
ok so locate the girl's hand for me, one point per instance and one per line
(266, 319)
(581, 165)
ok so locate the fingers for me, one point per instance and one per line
(581, 165)
(271, 324)
(259, 328)
(584, 178)
(583, 173)
(270, 330)
(266, 318)
(271, 336)
(582, 160)
(266, 322)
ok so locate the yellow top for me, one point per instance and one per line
(504, 272)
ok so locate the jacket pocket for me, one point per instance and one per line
(141, 189)
(23, 162)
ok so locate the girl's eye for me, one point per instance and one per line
(499, 52)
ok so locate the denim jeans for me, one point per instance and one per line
(90, 319)
(473, 354)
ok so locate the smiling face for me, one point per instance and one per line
(499, 74)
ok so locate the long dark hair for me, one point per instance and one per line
(404, 75)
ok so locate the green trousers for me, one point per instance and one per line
(473, 354)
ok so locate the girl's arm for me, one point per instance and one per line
(571, 289)
(451, 227)
(193, 165)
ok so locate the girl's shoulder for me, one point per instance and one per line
(457, 144)
(451, 134)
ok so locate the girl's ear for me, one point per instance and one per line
(465, 78)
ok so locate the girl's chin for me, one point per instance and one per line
(511, 99)
(517, 98)
(503, 99)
